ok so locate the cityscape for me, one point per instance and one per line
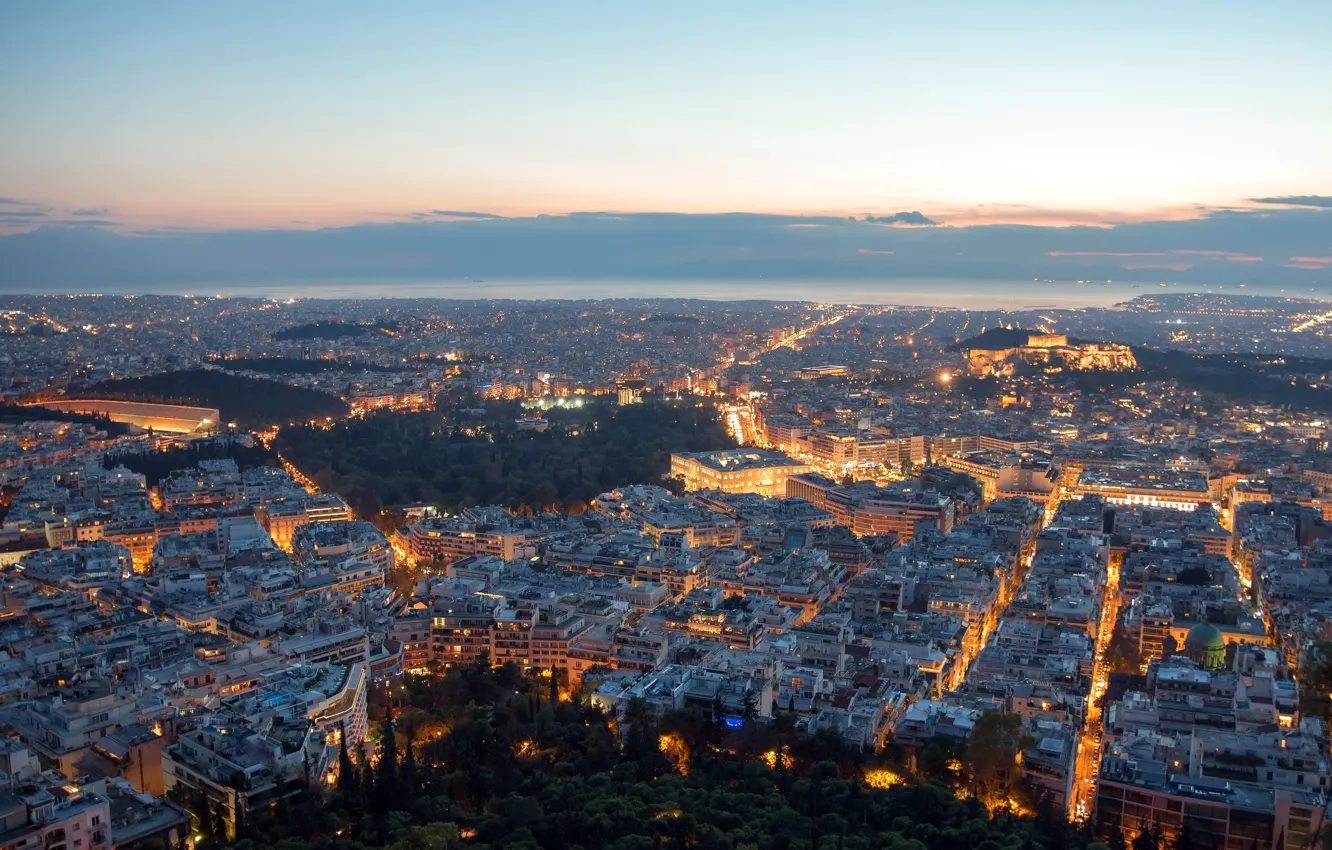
(896, 528)
(442, 427)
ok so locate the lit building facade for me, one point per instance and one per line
(736, 471)
(1159, 488)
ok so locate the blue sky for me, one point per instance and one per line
(303, 114)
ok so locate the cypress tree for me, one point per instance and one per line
(204, 813)
(219, 824)
(407, 777)
(346, 770)
(367, 777)
(386, 782)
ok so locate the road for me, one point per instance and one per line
(1088, 761)
(739, 419)
(740, 424)
(792, 339)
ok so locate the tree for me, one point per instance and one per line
(433, 836)
(1148, 839)
(766, 785)
(1315, 679)
(386, 771)
(347, 779)
(641, 743)
(368, 797)
(751, 712)
(204, 813)
(452, 459)
(1195, 576)
(1184, 839)
(992, 752)
(249, 401)
(407, 778)
(938, 758)
(219, 823)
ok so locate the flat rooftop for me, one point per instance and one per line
(1130, 478)
(727, 460)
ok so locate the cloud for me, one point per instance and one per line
(1319, 201)
(1109, 253)
(1025, 214)
(92, 211)
(464, 215)
(1324, 260)
(1212, 250)
(17, 202)
(1313, 267)
(914, 217)
(21, 213)
(184, 230)
(1235, 256)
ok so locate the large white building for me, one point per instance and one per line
(743, 470)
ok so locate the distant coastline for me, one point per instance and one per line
(965, 293)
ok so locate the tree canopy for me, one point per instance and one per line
(249, 402)
(156, 465)
(456, 459)
(483, 758)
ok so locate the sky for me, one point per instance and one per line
(154, 118)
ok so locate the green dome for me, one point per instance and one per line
(1204, 637)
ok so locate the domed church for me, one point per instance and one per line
(1206, 646)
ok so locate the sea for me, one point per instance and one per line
(957, 293)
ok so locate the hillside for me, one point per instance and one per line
(1001, 338)
(1252, 378)
(296, 366)
(17, 414)
(993, 338)
(330, 330)
(249, 402)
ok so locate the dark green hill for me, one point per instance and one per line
(1000, 338)
(295, 366)
(249, 402)
(1251, 378)
(992, 339)
(331, 330)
